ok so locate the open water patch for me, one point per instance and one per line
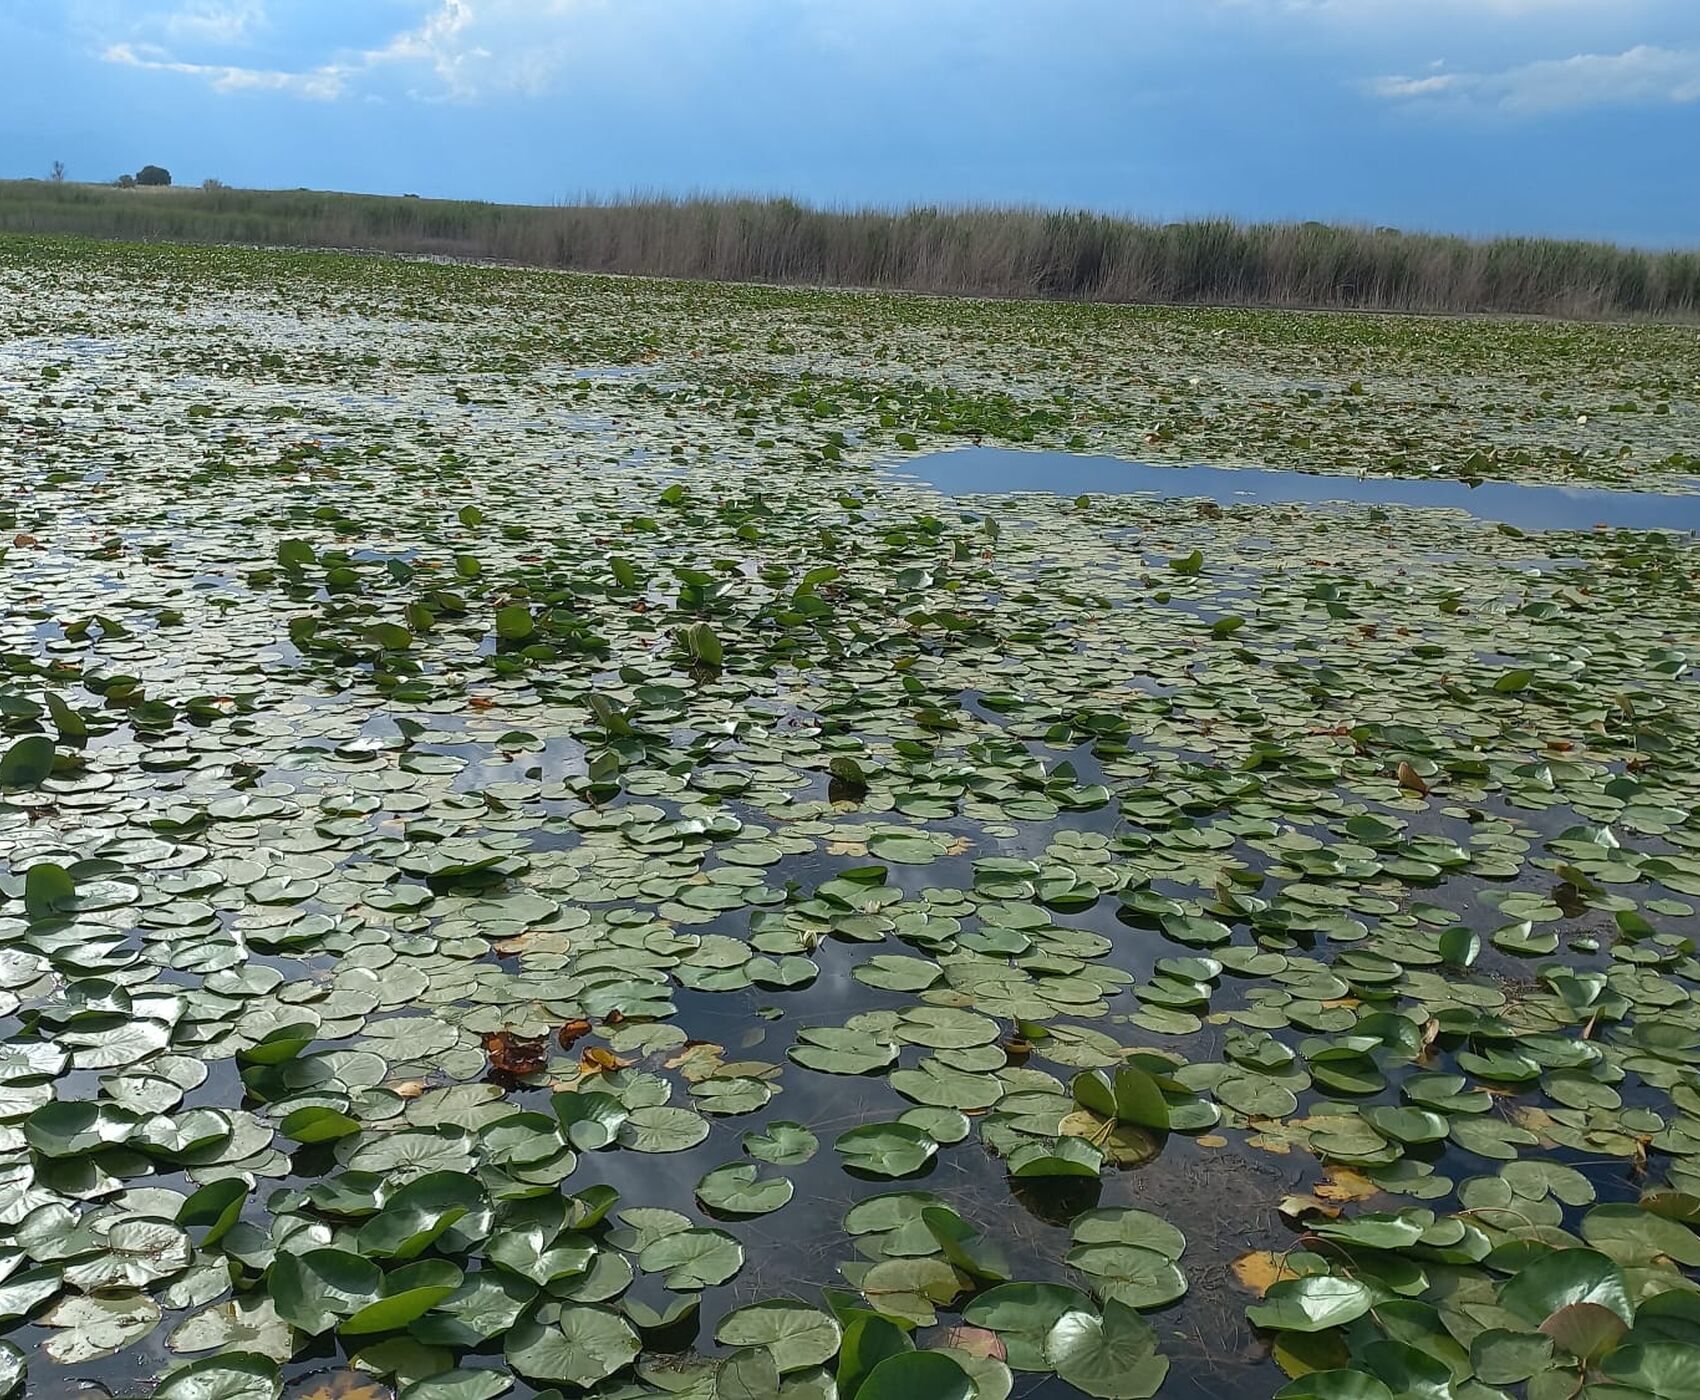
(1001, 470)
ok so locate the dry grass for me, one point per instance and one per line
(1015, 252)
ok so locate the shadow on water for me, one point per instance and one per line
(999, 470)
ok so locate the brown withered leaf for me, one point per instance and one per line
(516, 1054)
(1411, 780)
(572, 1032)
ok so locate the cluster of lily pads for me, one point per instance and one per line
(524, 877)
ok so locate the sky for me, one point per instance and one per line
(1576, 118)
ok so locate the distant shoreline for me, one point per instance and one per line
(1001, 254)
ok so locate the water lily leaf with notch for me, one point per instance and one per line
(461, 1384)
(1407, 1125)
(234, 1375)
(591, 1119)
(1112, 1356)
(946, 1126)
(408, 1293)
(886, 1149)
(693, 1259)
(1634, 1235)
(585, 1345)
(90, 1328)
(1138, 1228)
(317, 1123)
(659, 1129)
(834, 1050)
(22, 1293)
(536, 1251)
(1667, 1370)
(673, 1311)
(1449, 1094)
(641, 1225)
(967, 1248)
(906, 849)
(28, 763)
(909, 1289)
(917, 1375)
(67, 1128)
(1459, 946)
(485, 1305)
(314, 1289)
(1023, 1315)
(1501, 1356)
(1132, 1097)
(1140, 1278)
(1312, 1304)
(514, 622)
(138, 1252)
(869, 1339)
(782, 1143)
(892, 1210)
(896, 973)
(1562, 1278)
(1490, 1137)
(280, 1044)
(247, 1324)
(1067, 1156)
(1586, 1331)
(795, 1335)
(48, 890)
(749, 1373)
(939, 1086)
(1255, 1095)
(1376, 1231)
(416, 1216)
(738, 1189)
(1335, 1384)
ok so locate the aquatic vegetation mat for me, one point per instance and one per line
(529, 868)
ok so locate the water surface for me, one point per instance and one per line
(998, 470)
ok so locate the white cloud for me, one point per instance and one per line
(323, 84)
(1642, 76)
(458, 50)
(1403, 8)
(473, 47)
(214, 21)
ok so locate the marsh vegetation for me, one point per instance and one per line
(535, 861)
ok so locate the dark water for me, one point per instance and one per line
(999, 470)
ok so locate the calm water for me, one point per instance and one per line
(999, 470)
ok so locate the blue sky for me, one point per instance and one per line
(1572, 117)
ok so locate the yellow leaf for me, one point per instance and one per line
(597, 1060)
(340, 1385)
(1344, 1184)
(1300, 1353)
(697, 1059)
(1298, 1207)
(1261, 1269)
